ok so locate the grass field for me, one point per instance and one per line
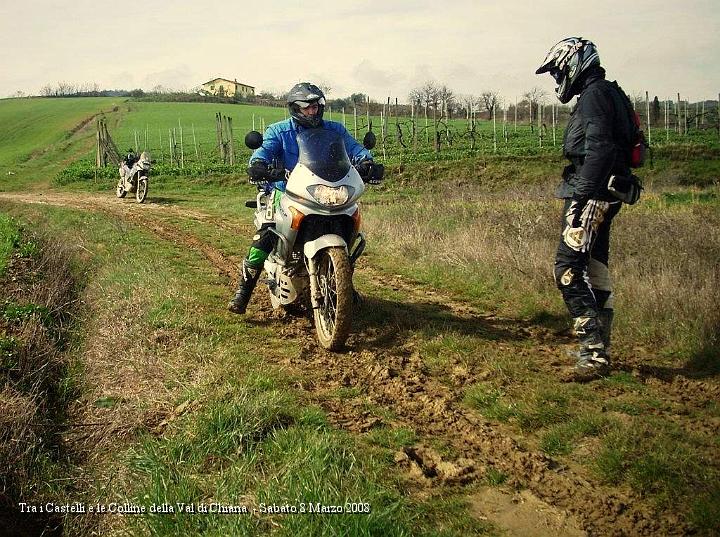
(449, 395)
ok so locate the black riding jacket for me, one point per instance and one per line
(596, 140)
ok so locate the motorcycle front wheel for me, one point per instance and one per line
(142, 189)
(334, 279)
(120, 190)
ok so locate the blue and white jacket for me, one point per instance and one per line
(280, 144)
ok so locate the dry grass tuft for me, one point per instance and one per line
(664, 261)
(40, 293)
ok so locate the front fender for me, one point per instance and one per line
(310, 249)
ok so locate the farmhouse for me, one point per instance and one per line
(228, 88)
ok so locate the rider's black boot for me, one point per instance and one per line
(249, 275)
(605, 319)
(593, 360)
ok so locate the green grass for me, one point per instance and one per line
(480, 230)
(9, 238)
(659, 459)
(247, 438)
(32, 125)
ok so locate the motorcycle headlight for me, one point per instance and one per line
(330, 195)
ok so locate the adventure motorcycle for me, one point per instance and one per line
(317, 222)
(134, 174)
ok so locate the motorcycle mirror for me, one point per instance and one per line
(253, 139)
(369, 140)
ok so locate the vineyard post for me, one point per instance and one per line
(329, 112)
(137, 146)
(382, 132)
(539, 121)
(427, 130)
(343, 115)
(182, 148)
(160, 141)
(253, 122)
(515, 128)
(505, 128)
(702, 117)
(397, 125)
(146, 136)
(413, 127)
(697, 115)
(667, 120)
(686, 117)
(647, 115)
(388, 113)
(447, 123)
(494, 129)
(218, 136)
(231, 140)
(98, 158)
(435, 125)
(197, 153)
(677, 114)
(355, 120)
(368, 111)
(172, 153)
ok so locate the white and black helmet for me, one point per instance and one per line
(301, 96)
(566, 61)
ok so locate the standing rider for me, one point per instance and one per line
(279, 150)
(595, 142)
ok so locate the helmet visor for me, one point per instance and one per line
(305, 104)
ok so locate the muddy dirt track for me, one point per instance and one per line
(385, 364)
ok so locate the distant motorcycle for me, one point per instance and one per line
(134, 173)
(317, 222)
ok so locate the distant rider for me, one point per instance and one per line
(128, 162)
(280, 152)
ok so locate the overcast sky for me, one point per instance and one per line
(382, 48)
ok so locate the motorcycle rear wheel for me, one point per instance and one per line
(120, 190)
(333, 317)
(142, 189)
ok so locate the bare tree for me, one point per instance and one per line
(325, 88)
(429, 94)
(490, 99)
(471, 103)
(535, 97)
(416, 97)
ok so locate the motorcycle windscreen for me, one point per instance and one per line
(323, 153)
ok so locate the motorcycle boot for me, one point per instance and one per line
(249, 275)
(605, 319)
(593, 360)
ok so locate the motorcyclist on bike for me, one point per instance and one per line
(129, 161)
(277, 156)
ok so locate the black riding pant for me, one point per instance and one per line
(581, 262)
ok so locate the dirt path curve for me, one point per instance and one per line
(386, 365)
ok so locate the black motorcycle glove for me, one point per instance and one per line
(363, 168)
(276, 174)
(258, 172)
(370, 172)
(377, 172)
